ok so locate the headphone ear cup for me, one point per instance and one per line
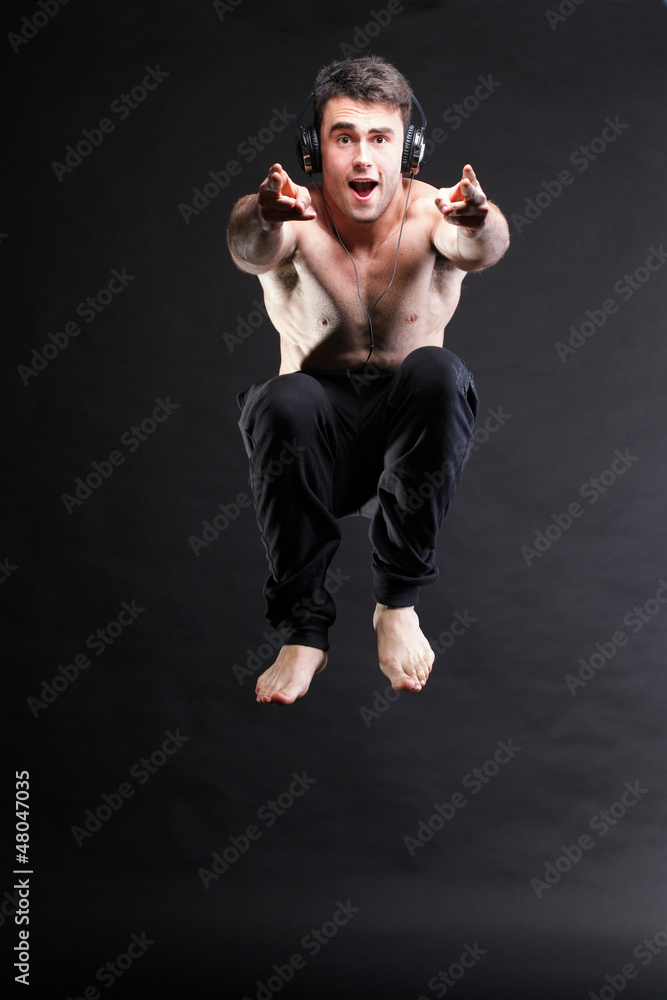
(419, 148)
(298, 147)
(308, 149)
(406, 162)
(303, 153)
(316, 154)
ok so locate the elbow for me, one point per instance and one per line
(235, 245)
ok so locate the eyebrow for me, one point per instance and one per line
(351, 127)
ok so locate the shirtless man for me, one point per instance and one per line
(340, 428)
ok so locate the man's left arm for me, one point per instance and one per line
(472, 233)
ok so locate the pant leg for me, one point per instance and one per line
(289, 430)
(430, 417)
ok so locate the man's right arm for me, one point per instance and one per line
(260, 232)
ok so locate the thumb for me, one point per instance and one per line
(303, 199)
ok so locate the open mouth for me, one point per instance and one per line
(363, 189)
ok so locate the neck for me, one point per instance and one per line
(366, 236)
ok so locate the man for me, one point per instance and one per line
(367, 259)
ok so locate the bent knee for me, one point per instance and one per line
(436, 369)
(294, 399)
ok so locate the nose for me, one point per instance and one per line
(363, 157)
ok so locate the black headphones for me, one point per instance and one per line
(308, 142)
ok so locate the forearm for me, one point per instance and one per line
(256, 246)
(483, 246)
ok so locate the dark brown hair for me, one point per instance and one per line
(370, 79)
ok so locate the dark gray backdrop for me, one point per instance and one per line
(546, 870)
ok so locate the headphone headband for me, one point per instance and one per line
(308, 142)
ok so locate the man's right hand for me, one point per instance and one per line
(281, 200)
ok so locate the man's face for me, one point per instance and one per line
(362, 148)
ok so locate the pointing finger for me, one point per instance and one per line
(275, 177)
(469, 173)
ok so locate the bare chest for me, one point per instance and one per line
(324, 301)
(399, 284)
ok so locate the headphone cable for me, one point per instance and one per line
(356, 273)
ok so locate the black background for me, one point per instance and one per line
(169, 335)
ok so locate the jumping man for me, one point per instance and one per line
(361, 273)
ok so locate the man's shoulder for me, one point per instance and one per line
(422, 202)
(421, 186)
(421, 190)
(426, 214)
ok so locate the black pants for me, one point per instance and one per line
(323, 445)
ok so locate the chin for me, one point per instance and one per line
(365, 213)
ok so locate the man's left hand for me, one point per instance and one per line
(464, 204)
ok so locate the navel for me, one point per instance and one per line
(323, 321)
(412, 318)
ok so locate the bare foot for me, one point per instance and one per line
(290, 676)
(404, 653)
